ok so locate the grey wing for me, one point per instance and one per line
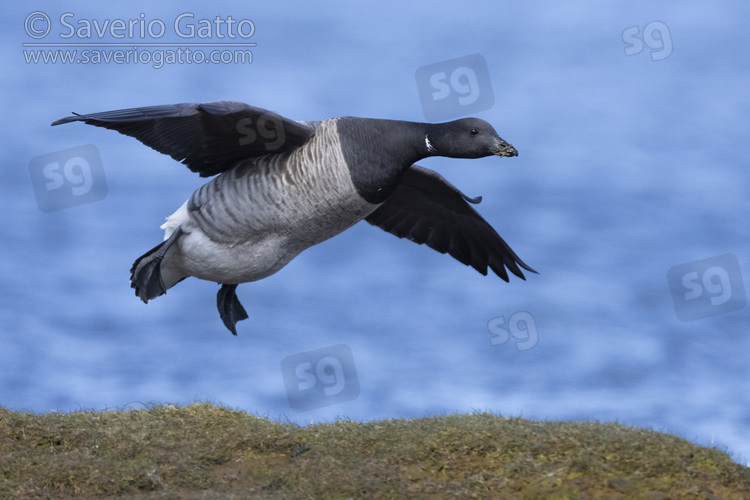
(427, 209)
(210, 137)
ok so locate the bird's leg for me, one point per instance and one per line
(230, 309)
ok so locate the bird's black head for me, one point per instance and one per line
(466, 138)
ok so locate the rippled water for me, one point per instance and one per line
(628, 167)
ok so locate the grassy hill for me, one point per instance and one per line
(209, 452)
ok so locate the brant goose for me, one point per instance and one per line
(284, 186)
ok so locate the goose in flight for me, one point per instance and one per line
(282, 186)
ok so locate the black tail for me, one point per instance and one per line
(145, 274)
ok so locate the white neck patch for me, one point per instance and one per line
(429, 145)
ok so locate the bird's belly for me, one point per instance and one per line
(264, 227)
(261, 255)
(250, 261)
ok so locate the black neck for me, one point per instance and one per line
(377, 152)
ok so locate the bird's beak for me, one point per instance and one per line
(505, 149)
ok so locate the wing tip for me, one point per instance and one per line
(74, 118)
(527, 267)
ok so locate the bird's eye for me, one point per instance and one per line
(473, 131)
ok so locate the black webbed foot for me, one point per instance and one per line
(230, 309)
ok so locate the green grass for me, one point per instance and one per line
(209, 452)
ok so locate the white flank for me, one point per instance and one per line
(175, 220)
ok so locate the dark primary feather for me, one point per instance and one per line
(427, 209)
(209, 138)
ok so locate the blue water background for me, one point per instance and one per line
(628, 166)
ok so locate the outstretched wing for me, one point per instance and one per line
(427, 209)
(209, 138)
